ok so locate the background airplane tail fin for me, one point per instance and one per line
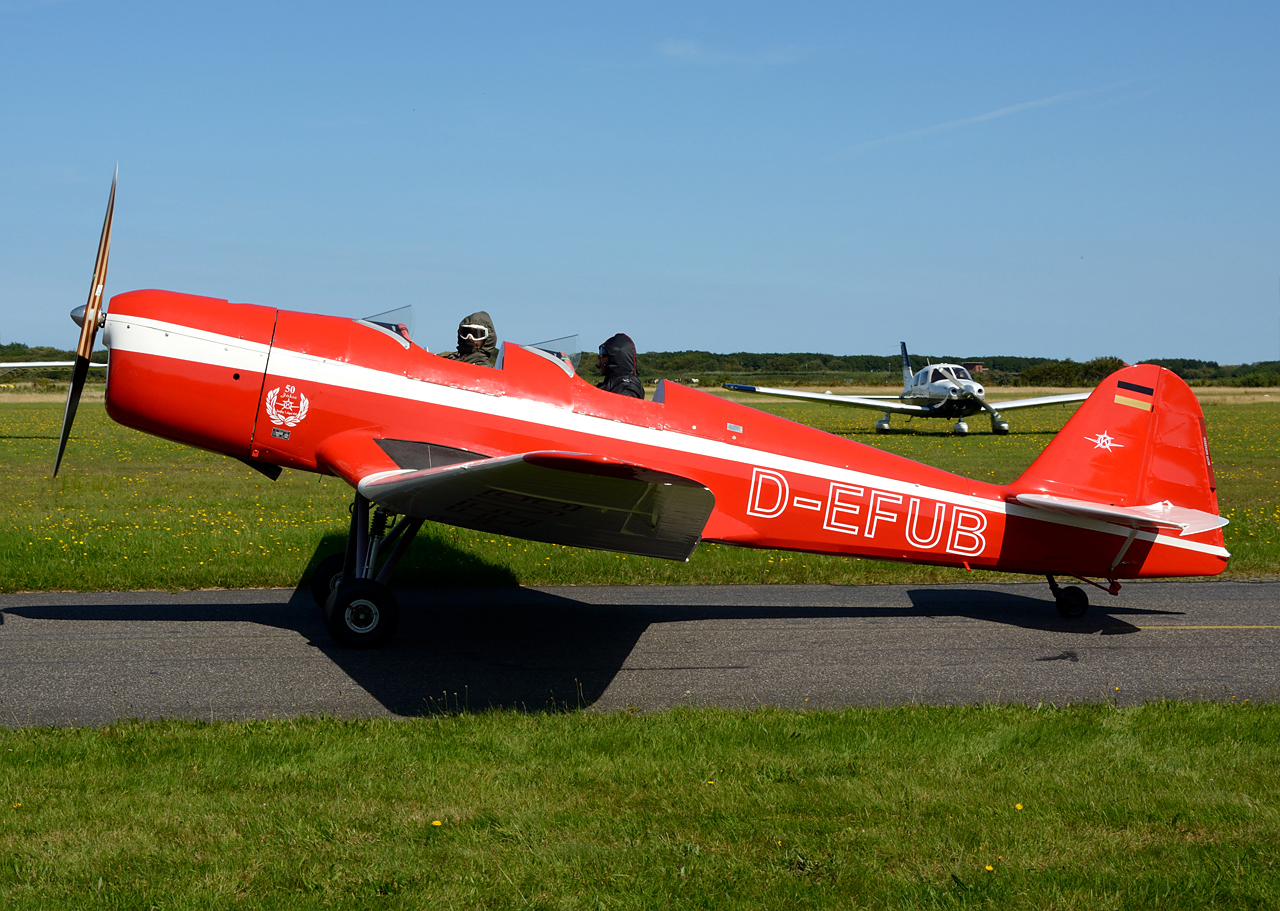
(1139, 439)
(906, 368)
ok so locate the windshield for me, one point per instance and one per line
(960, 373)
(566, 348)
(398, 322)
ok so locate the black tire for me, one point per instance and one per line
(1072, 602)
(326, 578)
(361, 614)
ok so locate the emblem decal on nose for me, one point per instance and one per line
(287, 406)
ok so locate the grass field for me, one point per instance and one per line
(1164, 806)
(130, 511)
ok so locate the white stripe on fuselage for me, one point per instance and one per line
(150, 336)
(204, 347)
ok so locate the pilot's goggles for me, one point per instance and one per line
(603, 351)
(473, 333)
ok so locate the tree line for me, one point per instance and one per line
(813, 368)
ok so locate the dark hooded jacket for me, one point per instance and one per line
(620, 368)
(469, 353)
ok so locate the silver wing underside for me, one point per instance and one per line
(574, 499)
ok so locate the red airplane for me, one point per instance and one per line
(1125, 490)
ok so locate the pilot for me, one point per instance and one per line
(477, 340)
(617, 362)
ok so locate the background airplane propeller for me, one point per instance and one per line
(88, 317)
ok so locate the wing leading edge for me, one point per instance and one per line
(568, 498)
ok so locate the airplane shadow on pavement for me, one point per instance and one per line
(472, 649)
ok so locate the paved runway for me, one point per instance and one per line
(93, 658)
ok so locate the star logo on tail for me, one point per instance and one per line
(1105, 441)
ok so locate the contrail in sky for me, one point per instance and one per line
(969, 121)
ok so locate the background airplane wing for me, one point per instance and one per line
(14, 365)
(1037, 402)
(888, 403)
(575, 499)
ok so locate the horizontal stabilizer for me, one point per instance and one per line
(1156, 515)
(568, 498)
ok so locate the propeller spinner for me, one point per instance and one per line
(87, 317)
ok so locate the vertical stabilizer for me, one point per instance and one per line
(1138, 439)
(906, 368)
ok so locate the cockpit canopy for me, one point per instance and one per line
(398, 324)
(942, 372)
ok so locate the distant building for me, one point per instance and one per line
(974, 366)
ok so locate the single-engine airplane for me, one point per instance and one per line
(937, 391)
(529, 449)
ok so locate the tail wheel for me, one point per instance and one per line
(326, 578)
(361, 614)
(1072, 602)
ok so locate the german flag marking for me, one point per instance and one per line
(1141, 404)
(1133, 403)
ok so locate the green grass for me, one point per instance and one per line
(1160, 806)
(130, 511)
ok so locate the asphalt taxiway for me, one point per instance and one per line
(88, 659)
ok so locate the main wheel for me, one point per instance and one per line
(361, 614)
(1072, 602)
(326, 578)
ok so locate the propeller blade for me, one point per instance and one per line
(89, 326)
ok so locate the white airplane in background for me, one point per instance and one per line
(937, 391)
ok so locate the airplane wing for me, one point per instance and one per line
(1156, 515)
(888, 403)
(568, 498)
(14, 365)
(1037, 402)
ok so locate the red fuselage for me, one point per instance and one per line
(307, 392)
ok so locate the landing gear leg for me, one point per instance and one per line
(360, 610)
(1072, 601)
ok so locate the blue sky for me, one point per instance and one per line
(975, 179)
